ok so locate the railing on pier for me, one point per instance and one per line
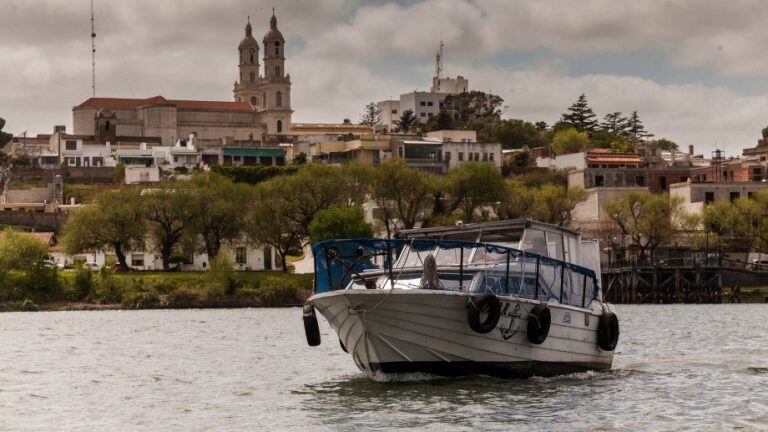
(450, 265)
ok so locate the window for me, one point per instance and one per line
(254, 101)
(663, 183)
(71, 145)
(749, 195)
(277, 50)
(240, 256)
(108, 125)
(640, 180)
(279, 99)
(251, 58)
(485, 157)
(279, 126)
(423, 103)
(175, 158)
(429, 104)
(734, 196)
(599, 180)
(461, 156)
(477, 157)
(447, 156)
(423, 114)
(264, 99)
(277, 71)
(490, 157)
(429, 115)
(253, 77)
(137, 260)
(394, 111)
(709, 197)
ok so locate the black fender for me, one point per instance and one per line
(608, 331)
(539, 320)
(311, 329)
(485, 303)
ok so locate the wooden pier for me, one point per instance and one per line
(694, 284)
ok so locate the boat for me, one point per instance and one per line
(515, 298)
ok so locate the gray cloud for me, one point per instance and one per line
(344, 53)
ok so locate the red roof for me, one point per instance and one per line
(161, 101)
(46, 237)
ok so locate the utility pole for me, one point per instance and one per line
(93, 53)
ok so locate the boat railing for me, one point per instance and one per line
(450, 265)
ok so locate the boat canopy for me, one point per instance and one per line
(453, 265)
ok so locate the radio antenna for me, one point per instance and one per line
(93, 53)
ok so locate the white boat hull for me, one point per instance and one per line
(394, 331)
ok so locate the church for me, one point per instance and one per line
(260, 114)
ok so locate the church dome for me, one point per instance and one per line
(273, 34)
(248, 39)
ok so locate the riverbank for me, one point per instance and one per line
(159, 290)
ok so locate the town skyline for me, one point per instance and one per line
(694, 73)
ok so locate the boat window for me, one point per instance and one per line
(555, 245)
(534, 241)
(503, 238)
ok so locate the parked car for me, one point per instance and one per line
(92, 266)
(116, 267)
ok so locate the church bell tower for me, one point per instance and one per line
(246, 88)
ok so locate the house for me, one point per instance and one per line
(604, 168)
(695, 195)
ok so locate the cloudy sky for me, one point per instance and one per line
(696, 71)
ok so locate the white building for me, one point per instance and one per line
(141, 174)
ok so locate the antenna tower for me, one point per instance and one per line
(93, 53)
(439, 61)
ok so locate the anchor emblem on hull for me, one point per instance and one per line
(507, 332)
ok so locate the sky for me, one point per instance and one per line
(696, 71)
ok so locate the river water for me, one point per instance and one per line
(677, 367)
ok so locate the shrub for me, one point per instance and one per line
(164, 286)
(107, 291)
(278, 291)
(43, 283)
(82, 283)
(132, 299)
(221, 277)
(183, 298)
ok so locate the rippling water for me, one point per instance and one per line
(677, 367)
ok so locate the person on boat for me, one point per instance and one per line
(429, 278)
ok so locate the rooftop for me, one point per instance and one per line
(161, 101)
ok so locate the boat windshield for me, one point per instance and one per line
(450, 265)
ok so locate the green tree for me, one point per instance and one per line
(442, 121)
(580, 116)
(516, 133)
(570, 141)
(21, 251)
(472, 186)
(314, 188)
(5, 137)
(371, 115)
(218, 205)
(401, 193)
(516, 200)
(604, 139)
(554, 204)
(300, 159)
(615, 123)
(339, 223)
(647, 220)
(115, 220)
(407, 121)
(727, 221)
(269, 219)
(636, 129)
(663, 144)
(467, 106)
(170, 216)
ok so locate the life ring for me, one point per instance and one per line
(539, 320)
(311, 329)
(485, 303)
(608, 331)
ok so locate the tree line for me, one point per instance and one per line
(312, 203)
(577, 129)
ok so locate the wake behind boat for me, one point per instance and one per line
(510, 298)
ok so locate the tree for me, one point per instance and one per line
(401, 193)
(471, 186)
(115, 220)
(725, 220)
(300, 159)
(314, 188)
(604, 139)
(5, 137)
(541, 126)
(339, 223)
(636, 129)
(644, 218)
(219, 205)
(570, 141)
(516, 200)
(663, 144)
(407, 121)
(615, 123)
(554, 204)
(21, 251)
(347, 121)
(442, 121)
(170, 216)
(467, 106)
(580, 116)
(268, 220)
(516, 133)
(371, 115)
